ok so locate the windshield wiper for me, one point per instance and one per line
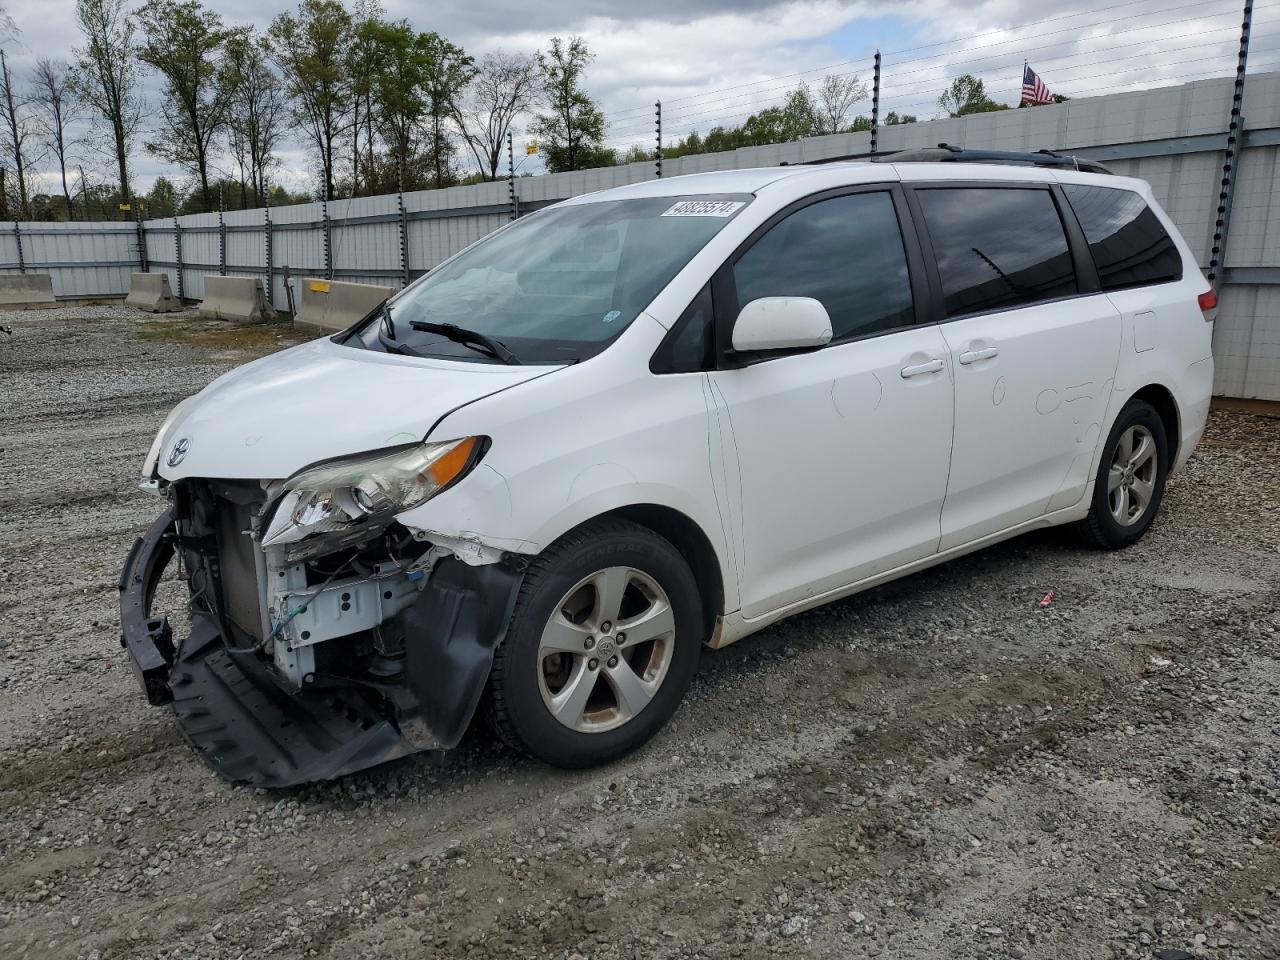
(388, 324)
(472, 338)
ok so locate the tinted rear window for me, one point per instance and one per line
(1129, 244)
(997, 248)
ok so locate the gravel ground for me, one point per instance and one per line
(941, 767)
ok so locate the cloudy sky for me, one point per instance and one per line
(716, 61)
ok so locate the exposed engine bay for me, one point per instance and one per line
(314, 657)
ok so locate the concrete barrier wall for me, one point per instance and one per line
(25, 291)
(150, 292)
(327, 306)
(240, 299)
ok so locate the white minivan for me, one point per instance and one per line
(541, 477)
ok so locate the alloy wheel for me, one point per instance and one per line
(1131, 480)
(605, 649)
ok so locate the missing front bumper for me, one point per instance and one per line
(251, 729)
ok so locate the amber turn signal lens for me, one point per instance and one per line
(447, 468)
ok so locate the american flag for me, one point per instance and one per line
(1033, 89)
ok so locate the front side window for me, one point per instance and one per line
(1130, 246)
(846, 252)
(558, 286)
(997, 248)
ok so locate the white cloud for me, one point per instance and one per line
(716, 60)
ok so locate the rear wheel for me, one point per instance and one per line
(603, 643)
(1130, 481)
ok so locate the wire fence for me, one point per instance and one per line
(1077, 54)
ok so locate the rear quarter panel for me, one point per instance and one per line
(1166, 340)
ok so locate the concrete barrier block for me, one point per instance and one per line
(26, 291)
(327, 306)
(240, 299)
(150, 292)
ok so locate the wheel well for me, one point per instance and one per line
(1160, 398)
(688, 538)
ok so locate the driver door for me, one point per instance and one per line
(842, 452)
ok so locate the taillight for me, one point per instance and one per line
(1209, 303)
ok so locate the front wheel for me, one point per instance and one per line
(1130, 481)
(603, 642)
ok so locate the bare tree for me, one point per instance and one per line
(58, 111)
(16, 137)
(258, 113)
(106, 75)
(836, 96)
(505, 86)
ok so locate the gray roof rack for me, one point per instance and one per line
(945, 153)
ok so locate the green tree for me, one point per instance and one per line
(449, 71)
(402, 109)
(184, 43)
(366, 57)
(106, 75)
(310, 49)
(572, 131)
(257, 113)
(967, 94)
(163, 199)
(795, 119)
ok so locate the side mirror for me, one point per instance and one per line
(781, 323)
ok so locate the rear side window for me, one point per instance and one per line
(1130, 246)
(997, 248)
(845, 252)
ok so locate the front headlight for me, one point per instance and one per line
(354, 499)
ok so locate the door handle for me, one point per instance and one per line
(973, 356)
(916, 369)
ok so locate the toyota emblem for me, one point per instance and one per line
(179, 451)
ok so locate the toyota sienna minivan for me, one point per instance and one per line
(537, 480)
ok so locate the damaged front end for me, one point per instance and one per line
(325, 637)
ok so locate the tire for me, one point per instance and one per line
(560, 644)
(1120, 515)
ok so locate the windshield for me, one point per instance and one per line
(558, 286)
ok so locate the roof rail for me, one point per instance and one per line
(945, 153)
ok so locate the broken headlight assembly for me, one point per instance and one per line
(345, 502)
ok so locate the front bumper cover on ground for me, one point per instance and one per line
(250, 729)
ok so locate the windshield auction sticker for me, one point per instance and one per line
(704, 208)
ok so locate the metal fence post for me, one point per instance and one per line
(1235, 128)
(875, 104)
(222, 239)
(17, 235)
(511, 179)
(404, 233)
(657, 156)
(266, 251)
(177, 253)
(143, 261)
(328, 249)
